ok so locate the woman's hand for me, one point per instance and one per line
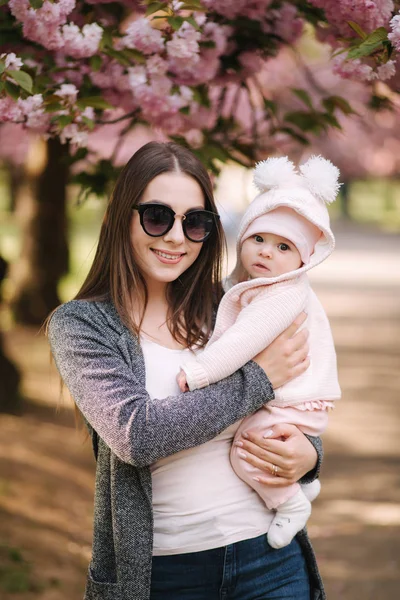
(287, 356)
(286, 448)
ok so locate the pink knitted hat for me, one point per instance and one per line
(289, 224)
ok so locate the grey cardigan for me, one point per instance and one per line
(102, 365)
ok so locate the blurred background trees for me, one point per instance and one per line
(84, 84)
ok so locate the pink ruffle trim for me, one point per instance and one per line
(316, 405)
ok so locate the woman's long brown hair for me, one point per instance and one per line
(115, 276)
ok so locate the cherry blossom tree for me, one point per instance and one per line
(182, 67)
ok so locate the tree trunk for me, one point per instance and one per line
(41, 208)
(10, 400)
(16, 176)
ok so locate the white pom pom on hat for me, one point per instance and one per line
(322, 178)
(273, 173)
(318, 175)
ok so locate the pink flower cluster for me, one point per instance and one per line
(48, 27)
(253, 9)
(368, 14)
(286, 23)
(11, 61)
(394, 35)
(140, 35)
(361, 71)
(32, 114)
(29, 111)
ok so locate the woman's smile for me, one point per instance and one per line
(167, 257)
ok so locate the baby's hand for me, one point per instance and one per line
(181, 379)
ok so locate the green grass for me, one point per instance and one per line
(15, 572)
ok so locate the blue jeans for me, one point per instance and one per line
(248, 570)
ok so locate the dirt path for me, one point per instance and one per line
(46, 475)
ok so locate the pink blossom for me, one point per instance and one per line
(67, 91)
(143, 37)
(42, 33)
(183, 52)
(386, 71)
(30, 104)
(156, 65)
(19, 8)
(251, 62)
(11, 61)
(38, 121)
(161, 85)
(218, 34)
(137, 76)
(195, 138)
(353, 69)
(73, 134)
(43, 27)
(112, 75)
(89, 113)
(367, 13)
(394, 35)
(50, 12)
(81, 44)
(253, 9)
(184, 44)
(287, 24)
(33, 111)
(9, 110)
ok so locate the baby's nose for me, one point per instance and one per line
(266, 250)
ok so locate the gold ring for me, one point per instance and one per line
(274, 470)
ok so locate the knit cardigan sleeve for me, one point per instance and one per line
(112, 397)
(256, 327)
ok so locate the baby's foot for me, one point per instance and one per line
(290, 518)
(311, 490)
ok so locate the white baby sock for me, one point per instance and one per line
(290, 518)
(311, 490)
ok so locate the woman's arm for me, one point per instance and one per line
(114, 401)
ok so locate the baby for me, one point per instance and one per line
(284, 233)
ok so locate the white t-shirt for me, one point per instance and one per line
(199, 502)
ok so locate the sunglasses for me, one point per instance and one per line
(157, 219)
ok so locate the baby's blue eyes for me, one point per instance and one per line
(258, 238)
(283, 247)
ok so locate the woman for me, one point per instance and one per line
(150, 297)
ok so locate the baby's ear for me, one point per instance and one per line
(321, 177)
(273, 172)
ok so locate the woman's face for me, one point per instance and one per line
(163, 259)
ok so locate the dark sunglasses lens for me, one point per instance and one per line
(156, 220)
(198, 225)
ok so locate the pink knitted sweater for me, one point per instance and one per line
(251, 315)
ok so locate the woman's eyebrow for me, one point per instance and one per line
(196, 208)
(169, 206)
(157, 202)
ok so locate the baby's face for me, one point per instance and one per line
(269, 255)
